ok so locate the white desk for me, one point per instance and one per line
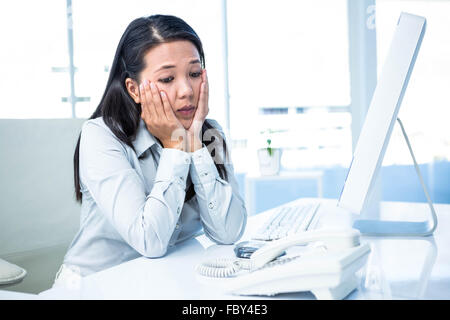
(397, 268)
(11, 295)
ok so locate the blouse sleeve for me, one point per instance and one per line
(222, 209)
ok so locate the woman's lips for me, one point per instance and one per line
(186, 111)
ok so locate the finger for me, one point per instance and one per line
(150, 100)
(205, 84)
(144, 107)
(205, 80)
(167, 107)
(204, 93)
(157, 101)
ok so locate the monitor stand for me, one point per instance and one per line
(401, 228)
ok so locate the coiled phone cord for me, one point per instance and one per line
(226, 267)
(223, 267)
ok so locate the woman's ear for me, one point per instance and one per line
(133, 89)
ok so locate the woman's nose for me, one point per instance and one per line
(185, 89)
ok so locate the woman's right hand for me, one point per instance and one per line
(159, 118)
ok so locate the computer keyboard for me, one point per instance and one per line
(286, 221)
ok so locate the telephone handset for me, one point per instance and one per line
(332, 240)
(328, 271)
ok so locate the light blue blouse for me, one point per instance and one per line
(133, 201)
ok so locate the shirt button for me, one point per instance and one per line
(211, 205)
(177, 226)
(186, 160)
(178, 210)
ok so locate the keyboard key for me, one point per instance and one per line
(287, 221)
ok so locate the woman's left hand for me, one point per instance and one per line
(195, 130)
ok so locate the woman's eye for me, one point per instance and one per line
(169, 79)
(166, 80)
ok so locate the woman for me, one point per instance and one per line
(150, 170)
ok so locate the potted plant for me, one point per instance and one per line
(269, 158)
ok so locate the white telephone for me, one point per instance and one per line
(327, 269)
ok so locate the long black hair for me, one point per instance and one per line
(119, 111)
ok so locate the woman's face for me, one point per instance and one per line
(175, 68)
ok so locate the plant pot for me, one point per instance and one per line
(269, 164)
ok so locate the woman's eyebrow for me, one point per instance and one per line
(169, 66)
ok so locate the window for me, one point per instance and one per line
(425, 107)
(36, 56)
(287, 63)
(34, 59)
(289, 69)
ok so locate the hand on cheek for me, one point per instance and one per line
(159, 118)
(195, 129)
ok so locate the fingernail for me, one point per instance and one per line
(162, 94)
(152, 85)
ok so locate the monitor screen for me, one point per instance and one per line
(382, 112)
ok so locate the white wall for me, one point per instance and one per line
(37, 204)
(38, 213)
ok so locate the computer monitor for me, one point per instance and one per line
(376, 131)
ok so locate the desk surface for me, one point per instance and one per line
(397, 268)
(285, 175)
